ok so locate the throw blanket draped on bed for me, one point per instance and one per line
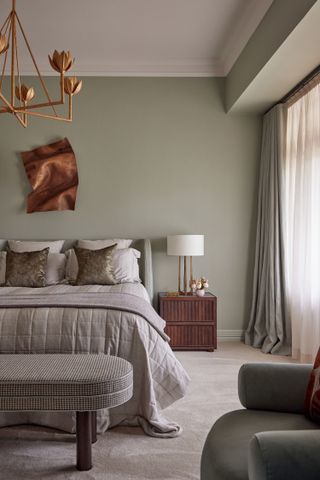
(118, 324)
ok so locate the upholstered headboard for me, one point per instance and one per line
(145, 262)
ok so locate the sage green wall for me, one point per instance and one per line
(156, 156)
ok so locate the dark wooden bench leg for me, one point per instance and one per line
(84, 439)
(94, 427)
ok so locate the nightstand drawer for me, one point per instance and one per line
(191, 321)
(191, 336)
(198, 310)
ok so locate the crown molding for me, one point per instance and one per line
(210, 68)
(136, 59)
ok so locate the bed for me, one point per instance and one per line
(112, 319)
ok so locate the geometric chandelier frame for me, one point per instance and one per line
(20, 101)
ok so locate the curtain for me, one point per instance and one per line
(301, 190)
(269, 325)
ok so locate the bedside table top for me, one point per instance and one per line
(184, 297)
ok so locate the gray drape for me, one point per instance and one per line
(269, 326)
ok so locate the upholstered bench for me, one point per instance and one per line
(80, 383)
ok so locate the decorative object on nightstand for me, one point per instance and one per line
(199, 286)
(191, 321)
(185, 246)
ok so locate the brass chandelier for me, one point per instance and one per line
(19, 101)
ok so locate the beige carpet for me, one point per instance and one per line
(126, 453)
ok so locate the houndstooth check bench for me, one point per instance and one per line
(62, 382)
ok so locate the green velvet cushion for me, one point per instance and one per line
(279, 387)
(281, 455)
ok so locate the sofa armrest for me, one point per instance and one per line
(273, 386)
(283, 455)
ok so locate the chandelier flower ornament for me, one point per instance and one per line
(61, 62)
(25, 94)
(3, 44)
(72, 85)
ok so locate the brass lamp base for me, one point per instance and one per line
(186, 283)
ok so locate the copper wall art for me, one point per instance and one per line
(52, 173)
(19, 102)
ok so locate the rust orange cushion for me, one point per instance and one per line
(312, 401)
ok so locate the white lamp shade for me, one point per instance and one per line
(185, 245)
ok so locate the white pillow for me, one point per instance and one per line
(31, 246)
(56, 268)
(3, 256)
(98, 244)
(124, 263)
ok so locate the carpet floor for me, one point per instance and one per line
(126, 453)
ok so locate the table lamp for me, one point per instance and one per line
(185, 246)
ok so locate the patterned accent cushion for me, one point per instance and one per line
(124, 263)
(27, 269)
(95, 266)
(312, 401)
(55, 273)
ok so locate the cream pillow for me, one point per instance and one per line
(125, 265)
(21, 246)
(71, 266)
(98, 244)
(56, 268)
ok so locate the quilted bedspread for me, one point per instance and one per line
(89, 319)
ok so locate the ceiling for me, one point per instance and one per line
(140, 37)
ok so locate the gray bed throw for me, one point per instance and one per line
(111, 301)
(118, 324)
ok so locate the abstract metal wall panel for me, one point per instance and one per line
(52, 173)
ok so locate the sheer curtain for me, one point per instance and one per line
(301, 203)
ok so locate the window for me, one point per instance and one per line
(301, 177)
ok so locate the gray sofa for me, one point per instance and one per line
(270, 439)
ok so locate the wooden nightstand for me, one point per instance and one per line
(191, 321)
